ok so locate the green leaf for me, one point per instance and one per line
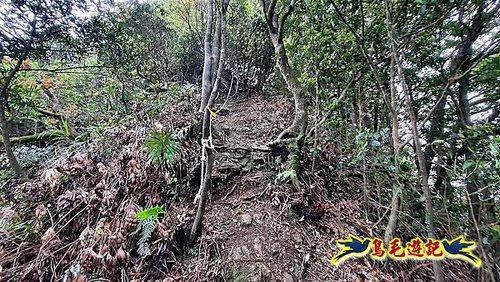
(376, 143)
(286, 174)
(152, 212)
(468, 164)
(161, 147)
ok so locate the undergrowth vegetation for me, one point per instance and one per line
(145, 227)
(161, 147)
(379, 118)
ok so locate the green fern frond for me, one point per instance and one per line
(286, 174)
(161, 147)
(152, 212)
(146, 226)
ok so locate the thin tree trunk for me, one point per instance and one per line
(363, 123)
(206, 140)
(3, 118)
(299, 125)
(216, 45)
(206, 80)
(207, 179)
(316, 116)
(429, 213)
(435, 132)
(220, 58)
(392, 107)
(465, 121)
(477, 216)
(390, 229)
(463, 100)
(297, 131)
(8, 145)
(276, 28)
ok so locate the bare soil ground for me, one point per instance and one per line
(81, 212)
(251, 234)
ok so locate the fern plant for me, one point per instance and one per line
(282, 176)
(161, 147)
(147, 223)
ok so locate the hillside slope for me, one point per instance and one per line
(73, 221)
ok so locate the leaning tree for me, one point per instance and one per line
(276, 15)
(213, 67)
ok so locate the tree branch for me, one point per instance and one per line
(364, 52)
(289, 11)
(67, 68)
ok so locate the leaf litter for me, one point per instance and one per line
(75, 220)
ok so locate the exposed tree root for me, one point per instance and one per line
(293, 146)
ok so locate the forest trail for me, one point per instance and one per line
(250, 233)
(113, 114)
(82, 209)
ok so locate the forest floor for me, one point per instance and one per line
(251, 233)
(72, 221)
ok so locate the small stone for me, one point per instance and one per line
(241, 253)
(297, 238)
(246, 219)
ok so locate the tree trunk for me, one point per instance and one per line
(4, 97)
(435, 132)
(211, 93)
(7, 143)
(390, 229)
(276, 28)
(429, 213)
(216, 48)
(297, 131)
(389, 118)
(463, 99)
(206, 80)
(476, 216)
(207, 179)
(3, 118)
(299, 125)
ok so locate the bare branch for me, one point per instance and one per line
(284, 17)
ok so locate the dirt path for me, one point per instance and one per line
(256, 119)
(250, 232)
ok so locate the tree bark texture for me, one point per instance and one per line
(429, 212)
(275, 27)
(209, 93)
